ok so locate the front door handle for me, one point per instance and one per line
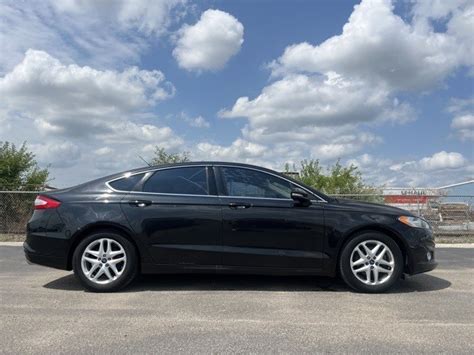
(240, 205)
(140, 203)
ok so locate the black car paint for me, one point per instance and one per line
(217, 233)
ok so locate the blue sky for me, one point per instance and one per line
(387, 86)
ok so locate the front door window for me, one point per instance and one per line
(253, 183)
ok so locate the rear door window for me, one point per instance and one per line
(185, 180)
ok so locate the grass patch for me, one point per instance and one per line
(12, 237)
(446, 239)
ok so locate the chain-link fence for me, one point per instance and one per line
(16, 208)
(451, 216)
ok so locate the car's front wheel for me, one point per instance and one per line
(371, 262)
(105, 262)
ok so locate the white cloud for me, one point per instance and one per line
(439, 169)
(133, 133)
(100, 33)
(458, 17)
(457, 105)
(23, 27)
(334, 150)
(57, 154)
(463, 122)
(147, 16)
(323, 98)
(96, 120)
(210, 43)
(295, 135)
(199, 122)
(438, 161)
(239, 150)
(377, 46)
(329, 100)
(343, 146)
(196, 122)
(103, 151)
(363, 160)
(79, 101)
(274, 152)
(443, 160)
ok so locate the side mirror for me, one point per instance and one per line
(300, 197)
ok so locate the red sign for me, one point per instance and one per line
(405, 199)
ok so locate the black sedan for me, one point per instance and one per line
(221, 217)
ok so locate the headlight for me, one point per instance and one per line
(414, 222)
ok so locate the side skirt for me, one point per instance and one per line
(221, 269)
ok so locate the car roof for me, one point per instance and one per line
(198, 163)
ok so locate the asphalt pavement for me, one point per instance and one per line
(44, 310)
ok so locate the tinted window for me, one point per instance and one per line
(191, 181)
(126, 183)
(252, 183)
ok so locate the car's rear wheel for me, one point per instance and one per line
(105, 262)
(371, 262)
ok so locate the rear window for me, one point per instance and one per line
(126, 183)
(186, 180)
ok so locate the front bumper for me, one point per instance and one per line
(421, 256)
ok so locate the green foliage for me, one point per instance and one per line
(161, 156)
(335, 179)
(19, 170)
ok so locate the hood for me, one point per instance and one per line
(375, 207)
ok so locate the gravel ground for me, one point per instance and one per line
(46, 311)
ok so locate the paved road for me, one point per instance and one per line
(45, 311)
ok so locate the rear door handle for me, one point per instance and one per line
(140, 203)
(240, 205)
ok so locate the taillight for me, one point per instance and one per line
(44, 203)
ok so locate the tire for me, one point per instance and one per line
(105, 262)
(366, 271)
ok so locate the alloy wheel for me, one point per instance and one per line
(103, 260)
(372, 262)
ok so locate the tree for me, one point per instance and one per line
(19, 169)
(338, 179)
(161, 156)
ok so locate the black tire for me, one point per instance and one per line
(128, 272)
(349, 276)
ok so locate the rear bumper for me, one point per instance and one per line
(33, 257)
(48, 251)
(46, 244)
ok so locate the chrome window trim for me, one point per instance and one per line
(167, 194)
(145, 172)
(264, 198)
